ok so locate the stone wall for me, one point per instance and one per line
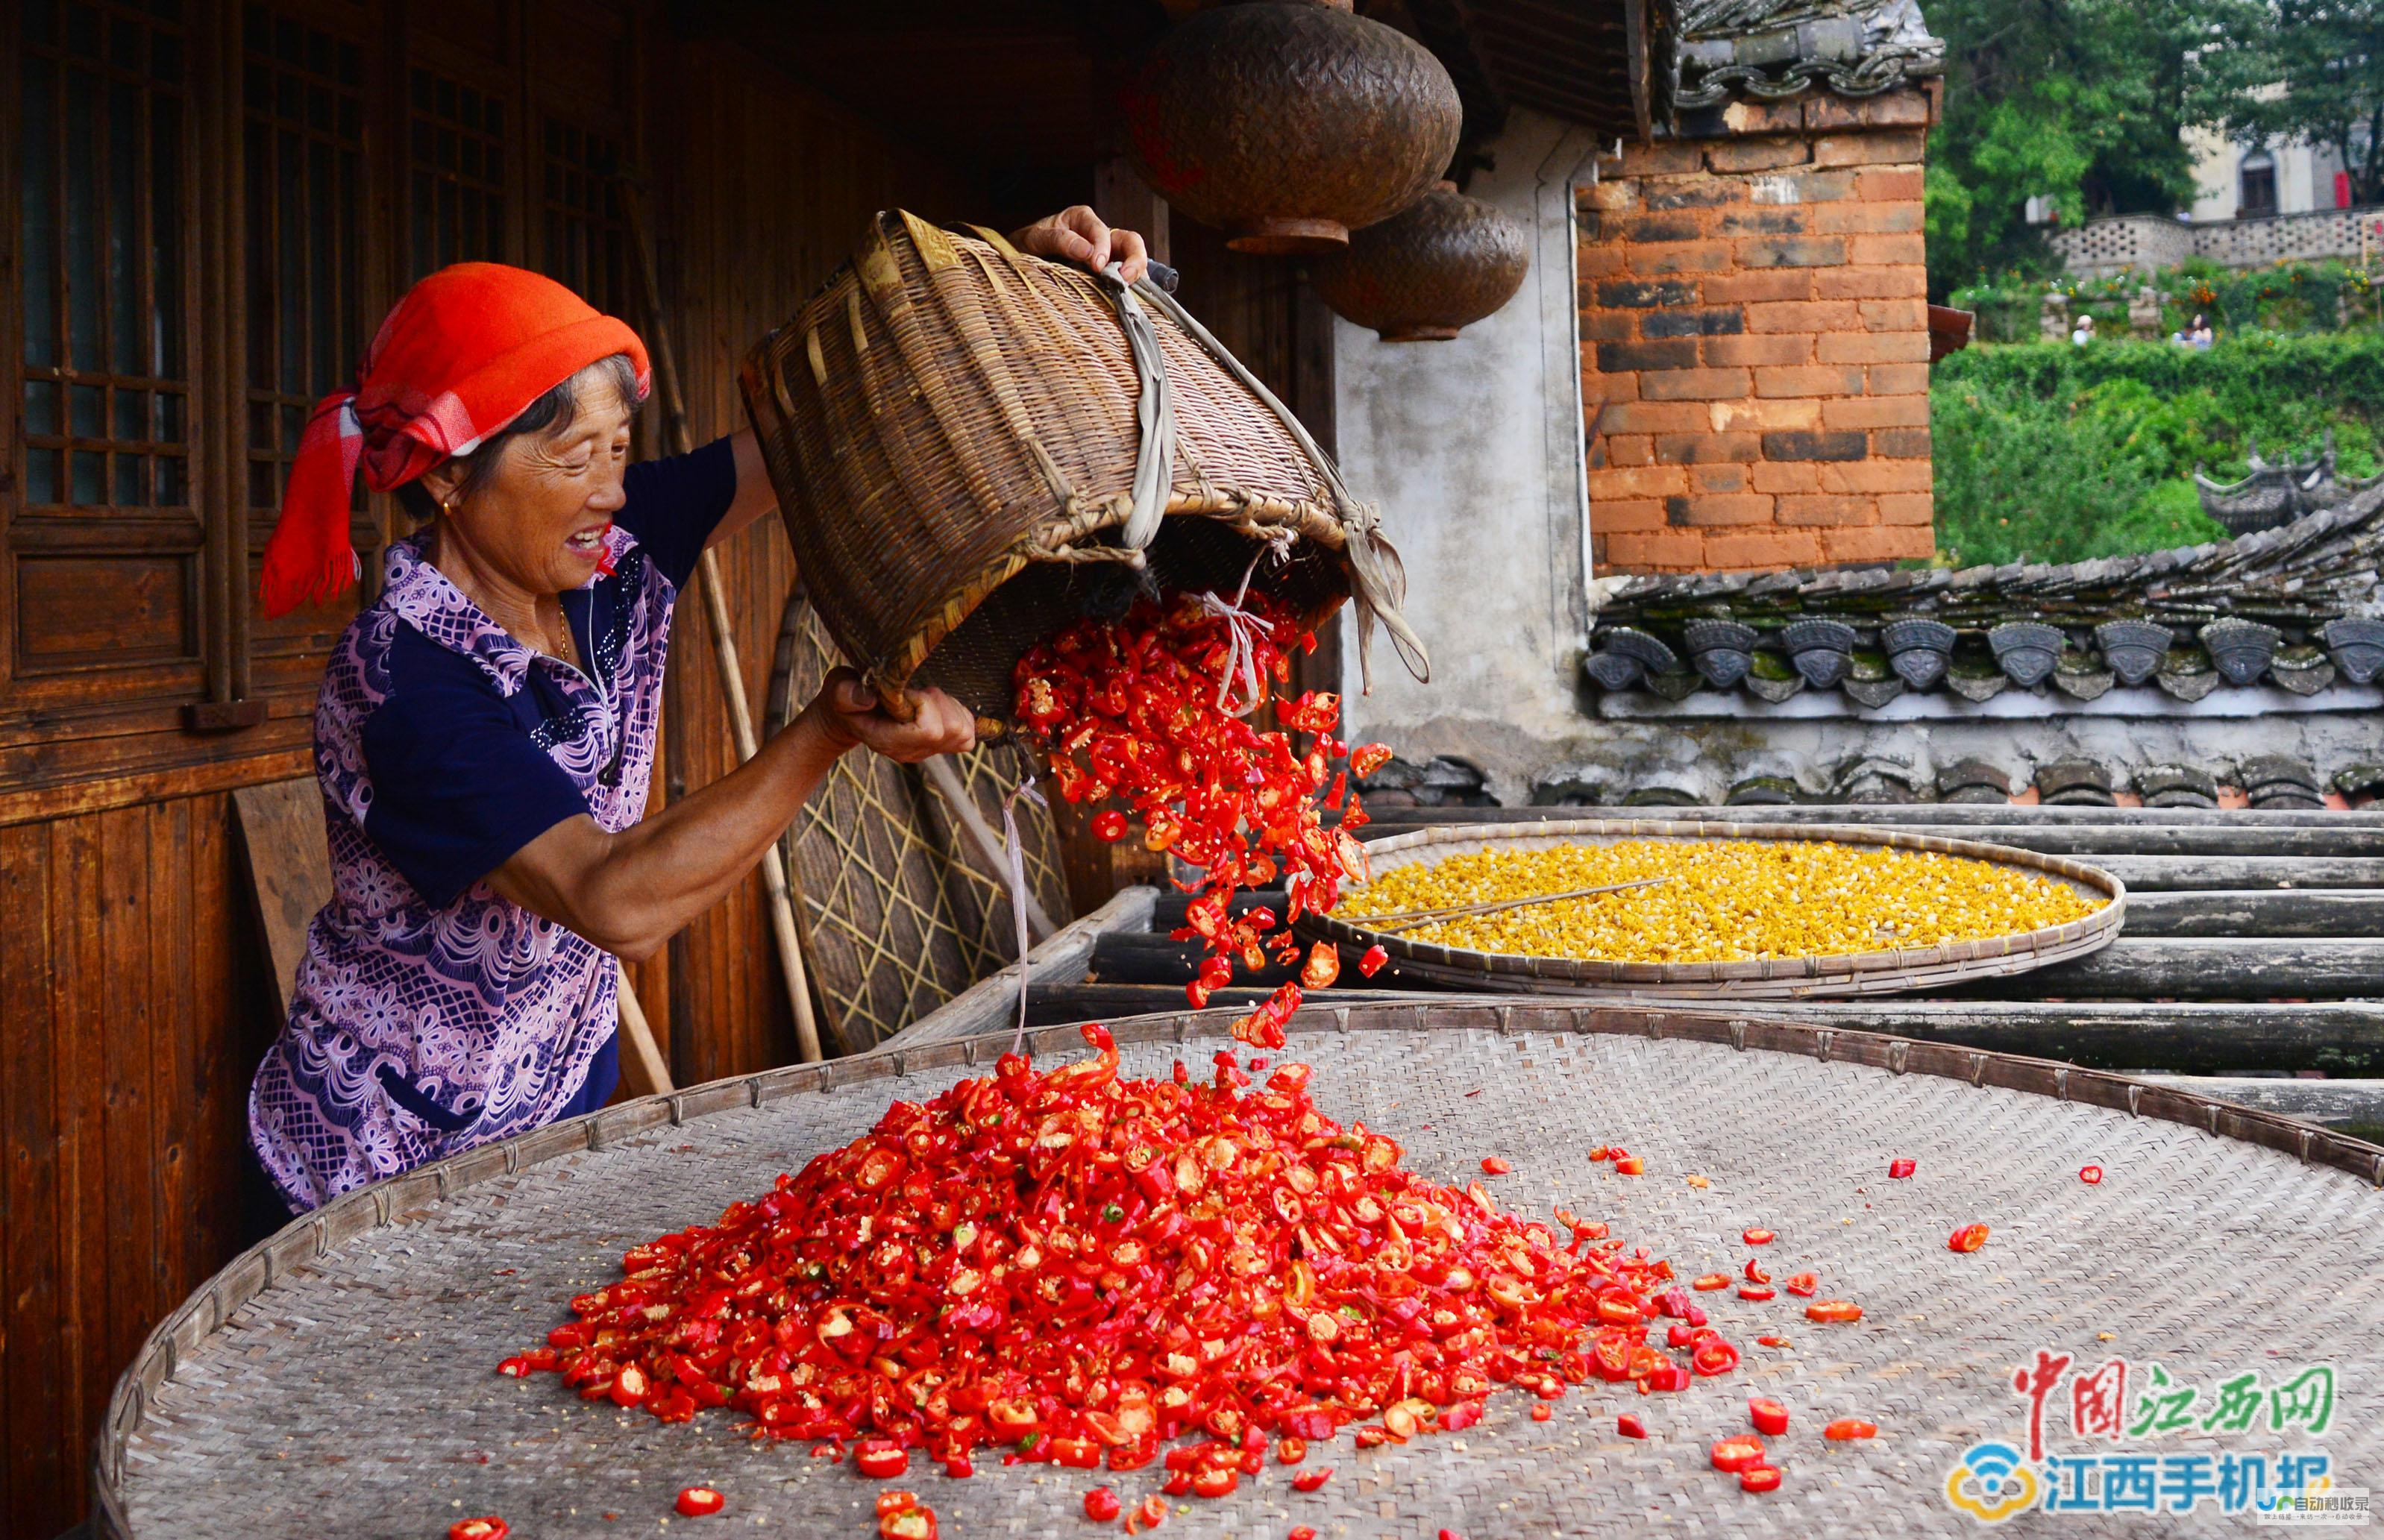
(2144, 242)
(1755, 342)
(2138, 242)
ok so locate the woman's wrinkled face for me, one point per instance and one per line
(538, 518)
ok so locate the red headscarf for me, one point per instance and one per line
(463, 354)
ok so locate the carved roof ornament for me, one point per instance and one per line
(1775, 49)
(2278, 492)
(2298, 608)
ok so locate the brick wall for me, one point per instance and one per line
(1755, 342)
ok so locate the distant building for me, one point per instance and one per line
(2254, 203)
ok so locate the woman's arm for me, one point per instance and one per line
(1074, 234)
(630, 892)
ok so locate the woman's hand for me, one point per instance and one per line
(1078, 235)
(849, 712)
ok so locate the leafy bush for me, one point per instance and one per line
(2290, 297)
(2056, 453)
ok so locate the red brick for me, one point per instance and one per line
(1796, 444)
(1805, 316)
(1908, 508)
(1782, 283)
(1758, 155)
(1871, 283)
(1685, 256)
(1886, 185)
(1827, 509)
(1647, 230)
(1599, 260)
(1692, 385)
(1708, 512)
(1692, 449)
(1652, 355)
(1624, 449)
(1787, 476)
(1717, 478)
(1899, 379)
(1878, 543)
(1677, 549)
(1909, 346)
(1601, 325)
(1876, 411)
(1907, 315)
(1788, 347)
(1794, 251)
(1809, 380)
(1753, 118)
(1867, 219)
(1609, 388)
(1801, 187)
(1629, 513)
(1637, 481)
(1762, 221)
(1888, 109)
(1887, 250)
(1876, 475)
(1868, 149)
(1770, 548)
(1732, 416)
(1610, 197)
(1652, 416)
(1656, 160)
(1901, 444)
(1701, 192)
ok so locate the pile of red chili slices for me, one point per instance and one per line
(1153, 709)
(1080, 1267)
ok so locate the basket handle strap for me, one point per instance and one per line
(1378, 581)
(1154, 412)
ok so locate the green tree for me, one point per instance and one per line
(2310, 70)
(2077, 101)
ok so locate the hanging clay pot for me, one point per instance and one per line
(1442, 264)
(1287, 124)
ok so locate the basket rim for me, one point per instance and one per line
(1848, 973)
(404, 1199)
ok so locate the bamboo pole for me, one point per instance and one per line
(642, 1066)
(724, 639)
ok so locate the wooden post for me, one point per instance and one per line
(724, 638)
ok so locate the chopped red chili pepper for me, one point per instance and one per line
(1802, 1284)
(1737, 1452)
(1757, 1292)
(1772, 1341)
(1827, 1310)
(1756, 1237)
(1897, 1169)
(1709, 1282)
(1630, 1166)
(1309, 1481)
(489, 1528)
(1769, 1417)
(700, 1502)
(1301, 1531)
(1102, 1505)
(1108, 825)
(1492, 1165)
(1846, 1428)
(1756, 1275)
(1714, 1357)
(1370, 961)
(1290, 1452)
(1629, 1425)
(911, 1523)
(1542, 1412)
(1215, 1482)
(1150, 1514)
(2091, 1176)
(960, 1466)
(1759, 1478)
(1970, 1237)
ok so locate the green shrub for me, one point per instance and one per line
(2050, 452)
(2290, 297)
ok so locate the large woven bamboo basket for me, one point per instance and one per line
(1895, 970)
(955, 429)
(337, 1380)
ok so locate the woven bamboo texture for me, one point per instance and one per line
(1892, 972)
(899, 912)
(952, 429)
(337, 1380)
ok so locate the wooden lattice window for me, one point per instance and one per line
(455, 173)
(303, 257)
(102, 580)
(584, 228)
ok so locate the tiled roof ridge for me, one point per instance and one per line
(1775, 49)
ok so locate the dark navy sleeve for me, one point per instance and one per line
(458, 783)
(675, 504)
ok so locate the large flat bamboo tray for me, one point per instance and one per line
(336, 1381)
(1890, 972)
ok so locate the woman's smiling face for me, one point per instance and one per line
(537, 516)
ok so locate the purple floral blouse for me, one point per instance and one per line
(429, 1014)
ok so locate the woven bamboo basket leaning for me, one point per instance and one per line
(337, 1379)
(1890, 972)
(972, 447)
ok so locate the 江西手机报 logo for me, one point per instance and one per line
(2120, 1413)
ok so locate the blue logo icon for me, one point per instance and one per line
(1991, 1485)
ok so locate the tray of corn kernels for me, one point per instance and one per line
(1716, 909)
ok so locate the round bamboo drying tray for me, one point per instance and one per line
(1876, 972)
(337, 1380)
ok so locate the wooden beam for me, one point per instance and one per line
(1393, 819)
(2245, 969)
(2231, 913)
(993, 1002)
(2336, 1103)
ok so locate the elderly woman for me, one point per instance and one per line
(485, 727)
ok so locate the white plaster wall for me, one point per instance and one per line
(1474, 449)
